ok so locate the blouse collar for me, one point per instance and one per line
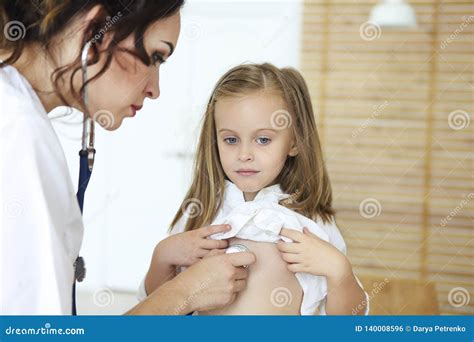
(271, 194)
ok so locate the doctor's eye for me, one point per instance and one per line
(157, 58)
(263, 140)
(231, 140)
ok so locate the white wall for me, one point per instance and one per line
(142, 170)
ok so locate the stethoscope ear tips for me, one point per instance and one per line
(236, 249)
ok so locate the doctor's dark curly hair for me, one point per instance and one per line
(40, 21)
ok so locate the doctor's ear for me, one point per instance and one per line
(95, 22)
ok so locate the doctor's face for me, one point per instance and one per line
(252, 147)
(120, 92)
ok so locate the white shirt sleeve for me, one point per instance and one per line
(336, 239)
(141, 293)
(41, 225)
(177, 228)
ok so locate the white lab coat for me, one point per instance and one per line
(41, 226)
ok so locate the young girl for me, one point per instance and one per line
(259, 170)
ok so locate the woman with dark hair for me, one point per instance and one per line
(46, 49)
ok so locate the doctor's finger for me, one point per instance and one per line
(240, 285)
(241, 273)
(241, 258)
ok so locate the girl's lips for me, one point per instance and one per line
(247, 172)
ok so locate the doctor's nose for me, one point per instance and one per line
(152, 87)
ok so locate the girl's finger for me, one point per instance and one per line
(287, 247)
(291, 258)
(214, 252)
(295, 268)
(201, 253)
(214, 244)
(306, 231)
(209, 230)
(292, 234)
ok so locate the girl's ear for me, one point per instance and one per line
(293, 151)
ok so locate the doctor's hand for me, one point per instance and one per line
(214, 281)
(187, 248)
(211, 283)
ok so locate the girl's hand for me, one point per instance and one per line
(187, 248)
(308, 253)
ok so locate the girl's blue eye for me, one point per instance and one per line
(231, 140)
(263, 140)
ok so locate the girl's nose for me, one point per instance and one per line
(245, 154)
(152, 88)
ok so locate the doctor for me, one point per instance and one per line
(41, 226)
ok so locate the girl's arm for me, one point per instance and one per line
(182, 249)
(159, 272)
(310, 254)
(345, 296)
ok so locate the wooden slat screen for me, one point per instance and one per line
(394, 109)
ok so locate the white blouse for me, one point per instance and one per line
(41, 226)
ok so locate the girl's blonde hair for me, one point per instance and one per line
(303, 176)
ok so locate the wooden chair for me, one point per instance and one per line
(394, 296)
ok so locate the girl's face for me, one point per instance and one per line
(253, 144)
(122, 89)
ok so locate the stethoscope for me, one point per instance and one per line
(86, 164)
(87, 152)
